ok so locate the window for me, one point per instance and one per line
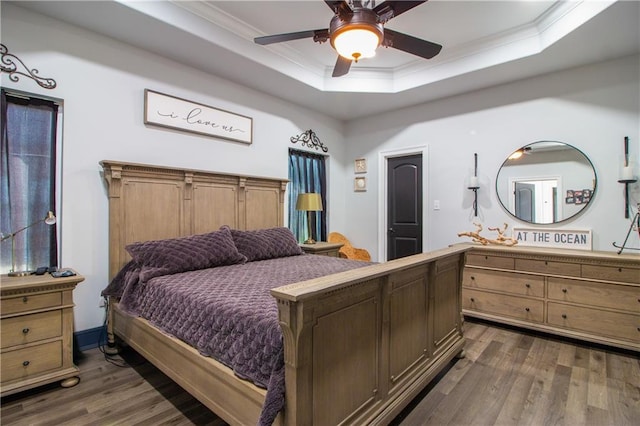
(27, 181)
(307, 173)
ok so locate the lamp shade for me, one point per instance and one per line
(309, 201)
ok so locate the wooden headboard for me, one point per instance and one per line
(148, 202)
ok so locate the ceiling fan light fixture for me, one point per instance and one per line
(356, 37)
(356, 43)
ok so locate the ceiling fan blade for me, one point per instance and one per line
(410, 44)
(389, 9)
(342, 66)
(278, 38)
(340, 8)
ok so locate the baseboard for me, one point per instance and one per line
(89, 339)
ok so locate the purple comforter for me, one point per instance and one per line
(228, 313)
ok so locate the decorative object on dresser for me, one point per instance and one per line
(499, 240)
(404, 316)
(309, 202)
(49, 219)
(37, 332)
(322, 248)
(474, 184)
(594, 296)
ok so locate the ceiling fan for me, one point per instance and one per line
(356, 31)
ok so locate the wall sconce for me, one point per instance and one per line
(309, 202)
(626, 176)
(49, 219)
(474, 184)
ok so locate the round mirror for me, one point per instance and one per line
(546, 182)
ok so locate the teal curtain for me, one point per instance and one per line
(307, 173)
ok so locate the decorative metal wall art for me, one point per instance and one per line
(310, 140)
(13, 66)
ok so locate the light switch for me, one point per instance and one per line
(436, 204)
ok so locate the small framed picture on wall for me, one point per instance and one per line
(360, 165)
(360, 184)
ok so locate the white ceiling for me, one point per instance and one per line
(485, 43)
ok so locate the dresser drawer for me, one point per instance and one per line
(506, 282)
(595, 294)
(30, 328)
(31, 361)
(548, 267)
(595, 321)
(611, 273)
(30, 302)
(490, 261)
(502, 304)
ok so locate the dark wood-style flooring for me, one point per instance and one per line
(509, 377)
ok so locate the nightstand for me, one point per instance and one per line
(36, 316)
(322, 248)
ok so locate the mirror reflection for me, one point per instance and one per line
(546, 182)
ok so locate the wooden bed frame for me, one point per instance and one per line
(358, 345)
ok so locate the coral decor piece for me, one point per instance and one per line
(500, 240)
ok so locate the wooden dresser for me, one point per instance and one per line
(36, 346)
(593, 296)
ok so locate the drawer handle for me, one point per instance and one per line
(25, 363)
(473, 300)
(25, 299)
(472, 277)
(546, 263)
(619, 269)
(564, 316)
(25, 330)
(564, 290)
(527, 285)
(526, 309)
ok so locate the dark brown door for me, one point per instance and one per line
(404, 225)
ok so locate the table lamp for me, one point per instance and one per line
(309, 201)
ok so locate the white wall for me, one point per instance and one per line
(591, 107)
(101, 83)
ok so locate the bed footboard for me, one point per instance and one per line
(360, 345)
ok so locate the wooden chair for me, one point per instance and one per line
(348, 251)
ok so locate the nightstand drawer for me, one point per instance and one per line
(595, 294)
(605, 323)
(490, 261)
(611, 273)
(506, 282)
(502, 304)
(30, 302)
(31, 361)
(30, 328)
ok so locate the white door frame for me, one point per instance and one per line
(383, 157)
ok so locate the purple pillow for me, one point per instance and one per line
(186, 253)
(267, 243)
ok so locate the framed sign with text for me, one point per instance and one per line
(176, 113)
(556, 238)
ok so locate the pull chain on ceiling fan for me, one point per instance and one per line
(356, 31)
